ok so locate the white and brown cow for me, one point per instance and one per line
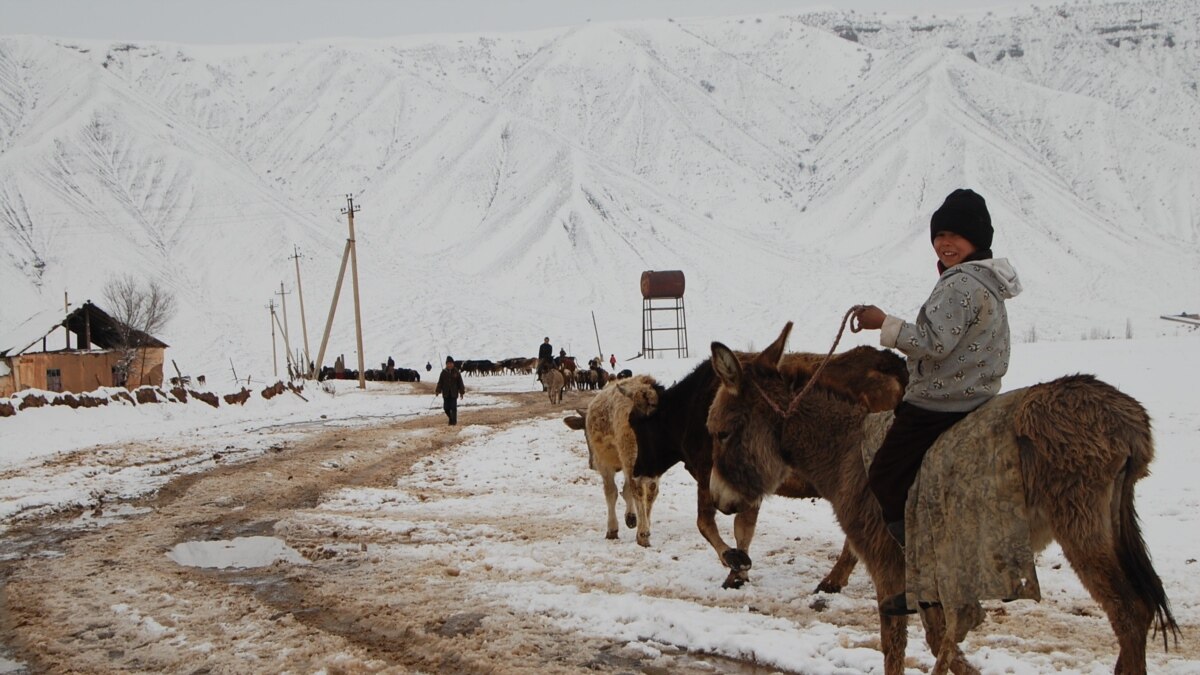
(612, 447)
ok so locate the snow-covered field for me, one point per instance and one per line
(664, 598)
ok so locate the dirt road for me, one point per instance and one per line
(58, 601)
(109, 599)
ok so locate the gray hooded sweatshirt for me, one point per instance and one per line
(958, 348)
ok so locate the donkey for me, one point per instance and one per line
(675, 431)
(1083, 445)
(554, 382)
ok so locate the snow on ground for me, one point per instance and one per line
(667, 596)
(136, 449)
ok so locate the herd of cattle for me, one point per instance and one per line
(592, 377)
(382, 374)
(595, 376)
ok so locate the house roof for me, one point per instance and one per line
(30, 332)
(104, 330)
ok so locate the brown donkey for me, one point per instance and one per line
(1083, 446)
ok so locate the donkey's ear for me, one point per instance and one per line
(773, 355)
(727, 367)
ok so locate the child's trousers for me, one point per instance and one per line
(899, 458)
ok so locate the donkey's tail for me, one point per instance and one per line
(1126, 425)
(1135, 559)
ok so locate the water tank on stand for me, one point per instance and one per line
(662, 284)
(663, 312)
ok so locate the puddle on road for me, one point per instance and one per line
(10, 667)
(241, 552)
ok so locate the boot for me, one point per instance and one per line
(897, 605)
(896, 529)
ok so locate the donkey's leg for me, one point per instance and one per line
(893, 630)
(944, 630)
(839, 576)
(893, 639)
(610, 497)
(1089, 547)
(738, 559)
(744, 524)
(706, 522)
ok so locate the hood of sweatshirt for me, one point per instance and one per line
(997, 274)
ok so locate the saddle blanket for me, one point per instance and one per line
(966, 525)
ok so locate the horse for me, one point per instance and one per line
(675, 431)
(1082, 447)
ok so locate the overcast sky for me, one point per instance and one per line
(260, 21)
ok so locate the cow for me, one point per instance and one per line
(612, 447)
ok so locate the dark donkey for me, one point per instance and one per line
(675, 431)
(1082, 447)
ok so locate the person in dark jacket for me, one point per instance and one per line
(450, 386)
(545, 355)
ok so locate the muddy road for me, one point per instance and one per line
(110, 599)
(374, 595)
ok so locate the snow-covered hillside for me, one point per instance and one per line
(512, 184)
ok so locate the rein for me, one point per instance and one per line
(851, 317)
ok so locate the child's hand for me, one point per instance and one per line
(870, 318)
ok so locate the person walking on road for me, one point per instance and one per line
(450, 386)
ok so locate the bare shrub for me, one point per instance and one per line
(140, 310)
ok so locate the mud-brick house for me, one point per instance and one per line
(78, 353)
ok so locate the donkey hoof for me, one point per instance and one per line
(735, 580)
(631, 520)
(612, 534)
(643, 541)
(827, 586)
(737, 559)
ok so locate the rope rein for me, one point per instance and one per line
(851, 317)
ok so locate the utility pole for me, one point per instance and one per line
(303, 321)
(66, 313)
(274, 357)
(350, 210)
(283, 302)
(284, 329)
(350, 255)
(597, 336)
(337, 291)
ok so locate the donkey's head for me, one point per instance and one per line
(746, 435)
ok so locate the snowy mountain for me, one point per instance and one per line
(511, 185)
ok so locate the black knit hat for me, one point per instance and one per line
(964, 213)
(449, 359)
